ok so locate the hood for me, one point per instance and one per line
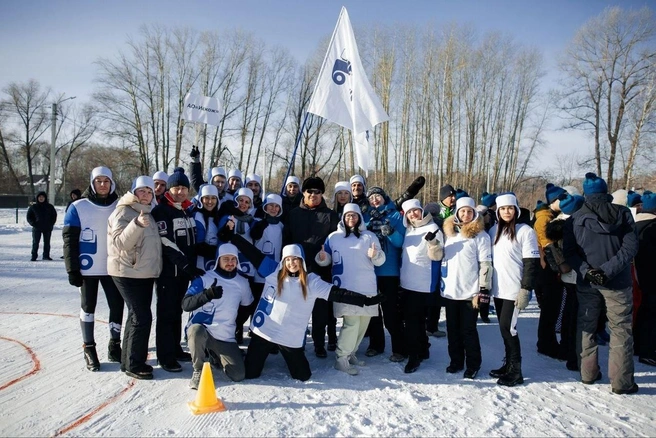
(36, 198)
(130, 200)
(469, 231)
(427, 219)
(352, 208)
(599, 215)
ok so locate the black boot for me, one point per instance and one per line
(114, 350)
(413, 364)
(500, 371)
(513, 376)
(91, 357)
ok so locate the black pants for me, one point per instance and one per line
(322, 318)
(568, 327)
(89, 300)
(507, 315)
(433, 311)
(36, 239)
(414, 315)
(462, 334)
(258, 351)
(551, 298)
(168, 328)
(645, 325)
(391, 310)
(138, 296)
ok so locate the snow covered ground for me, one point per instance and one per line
(53, 394)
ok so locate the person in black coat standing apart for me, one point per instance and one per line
(42, 217)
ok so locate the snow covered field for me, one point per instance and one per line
(51, 393)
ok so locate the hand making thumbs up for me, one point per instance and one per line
(323, 255)
(143, 219)
(371, 253)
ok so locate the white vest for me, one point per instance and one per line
(270, 244)
(93, 236)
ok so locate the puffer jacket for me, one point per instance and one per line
(132, 250)
(42, 215)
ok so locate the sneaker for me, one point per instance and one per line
(396, 357)
(183, 356)
(470, 373)
(371, 352)
(195, 380)
(114, 350)
(332, 346)
(590, 382)
(412, 365)
(647, 361)
(320, 352)
(353, 360)
(436, 334)
(452, 369)
(172, 366)
(343, 364)
(91, 357)
(631, 390)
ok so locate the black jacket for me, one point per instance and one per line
(602, 236)
(310, 227)
(42, 215)
(645, 260)
(177, 228)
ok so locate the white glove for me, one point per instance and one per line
(522, 299)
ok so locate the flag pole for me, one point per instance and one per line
(291, 161)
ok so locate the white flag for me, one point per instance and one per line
(343, 93)
(202, 109)
(362, 142)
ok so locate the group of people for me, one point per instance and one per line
(233, 253)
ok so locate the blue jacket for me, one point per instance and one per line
(387, 214)
(602, 236)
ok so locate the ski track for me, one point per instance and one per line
(39, 309)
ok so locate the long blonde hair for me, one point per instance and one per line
(284, 273)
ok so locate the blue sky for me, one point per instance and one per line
(56, 42)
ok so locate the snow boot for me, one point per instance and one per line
(353, 360)
(453, 368)
(413, 364)
(114, 350)
(91, 357)
(500, 371)
(195, 380)
(514, 375)
(144, 372)
(470, 373)
(342, 364)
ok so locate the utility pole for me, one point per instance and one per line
(51, 177)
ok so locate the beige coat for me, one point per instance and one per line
(133, 251)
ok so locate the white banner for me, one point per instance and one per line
(342, 93)
(202, 109)
(362, 142)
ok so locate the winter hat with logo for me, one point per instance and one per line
(143, 181)
(272, 198)
(592, 184)
(353, 208)
(292, 251)
(553, 192)
(460, 193)
(360, 179)
(505, 200)
(632, 199)
(571, 204)
(178, 178)
(572, 190)
(244, 191)
(160, 175)
(649, 202)
(102, 171)
(314, 182)
(209, 190)
(446, 191)
(236, 173)
(409, 205)
(465, 201)
(488, 199)
(376, 191)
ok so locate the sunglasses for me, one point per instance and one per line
(314, 191)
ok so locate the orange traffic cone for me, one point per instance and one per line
(206, 400)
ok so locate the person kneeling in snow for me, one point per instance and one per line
(213, 301)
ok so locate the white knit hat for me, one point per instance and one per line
(409, 205)
(507, 199)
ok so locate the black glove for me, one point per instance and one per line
(193, 271)
(430, 235)
(194, 154)
(214, 292)
(484, 297)
(410, 192)
(226, 234)
(386, 230)
(257, 230)
(596, 277)
(75, 278)
(376, 299)
(206, 250)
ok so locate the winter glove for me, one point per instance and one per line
(430, 236)
(193, 271)
(257, 230)
(410, 192)
(386, 230)
(226, 234)
(375, 300)
(214, 292)
(194, 154)
(206, 250)
(522, 299)
(75, 278)
(596, 277)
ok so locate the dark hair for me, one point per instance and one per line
(508, 228)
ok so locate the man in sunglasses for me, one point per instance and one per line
(309, 225)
